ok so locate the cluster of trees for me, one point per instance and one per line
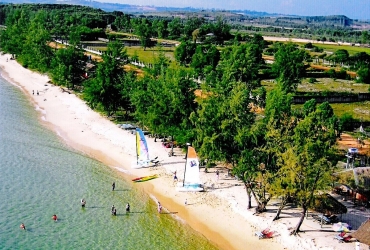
(331, 34)
(284, 153)
(191, 29)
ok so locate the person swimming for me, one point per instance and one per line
(128, 208)
(83, 202)
(22, 226)
(55, 218)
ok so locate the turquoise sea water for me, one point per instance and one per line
(40, 176)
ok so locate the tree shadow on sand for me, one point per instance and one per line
(169, 212)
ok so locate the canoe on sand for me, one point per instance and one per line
(145, 178)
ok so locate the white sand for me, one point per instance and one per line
(220, 214)
(300, 40)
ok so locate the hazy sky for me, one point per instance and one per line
(352, 8)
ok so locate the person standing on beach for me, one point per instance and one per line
(113, 186)
(159, 207)
(217, 174)
(175, 176)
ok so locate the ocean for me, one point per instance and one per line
(40, 176)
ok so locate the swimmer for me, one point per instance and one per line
(128, 208)
(22, 226)
(112, 209)
(113, 186)
(114, 212)
(83, 202)
(55, 218)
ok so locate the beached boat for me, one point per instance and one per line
(142, 152)
(191, 182)
(145, 178)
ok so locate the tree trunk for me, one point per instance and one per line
(282, 205)
(249, 196)
(296, 230)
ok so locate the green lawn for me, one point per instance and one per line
(351, 49)
(325, 84)
(358, 110)
(148, 55)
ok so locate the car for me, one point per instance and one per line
(353, 151)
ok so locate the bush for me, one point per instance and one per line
(312, 80)
(345, 122)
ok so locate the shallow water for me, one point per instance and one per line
(40, 176)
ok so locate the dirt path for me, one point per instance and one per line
(348, 141)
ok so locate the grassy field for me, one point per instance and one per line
(358, 110)
(325, 84)
(148, 55)
(351, 49)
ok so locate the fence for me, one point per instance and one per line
(360, 97)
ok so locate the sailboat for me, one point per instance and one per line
(142, 152)
(191, 182)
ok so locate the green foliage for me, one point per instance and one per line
(205, 59)
(222, 122)
(143, 30)
(304, 163)
(242, 63)
(107, 89)
(289, 65)
(184, 52)
(364, 74)
(164, 104)
(312, 80)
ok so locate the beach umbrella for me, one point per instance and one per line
(341, 227)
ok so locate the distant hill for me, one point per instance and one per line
(245, 17)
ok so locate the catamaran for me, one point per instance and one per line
(191, 182)
(142, 152)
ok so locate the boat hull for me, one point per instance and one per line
(145, 178)
(189, 187)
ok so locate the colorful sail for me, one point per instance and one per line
(141, 149)
(191, 176)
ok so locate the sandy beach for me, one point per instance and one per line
(220, 213)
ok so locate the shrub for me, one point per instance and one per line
(312, 80)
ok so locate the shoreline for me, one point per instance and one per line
(219, 214)
(92, 134)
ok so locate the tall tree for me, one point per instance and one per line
(242, 63)
(143, 30)
(289, 65)
(164, 104)
(106, 88)
(305, 163)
